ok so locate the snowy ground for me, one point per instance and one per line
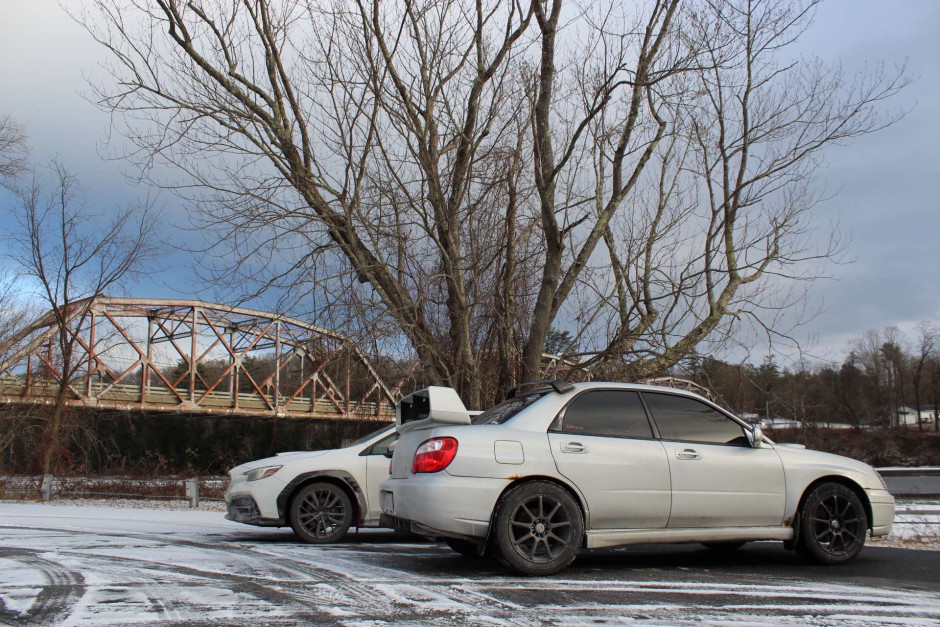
(97, 565)
(916, 524)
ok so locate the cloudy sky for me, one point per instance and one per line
(883, 185)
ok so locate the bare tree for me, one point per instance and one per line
(720, 233)
(13, 149)
(460, 175)
(867, 353)
(72, 255)
(928, 338)
(933, 379)
(895, 357)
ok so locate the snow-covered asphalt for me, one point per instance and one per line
(83, 565)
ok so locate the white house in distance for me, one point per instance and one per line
(908, 416)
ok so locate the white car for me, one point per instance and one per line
(593, 465)
(320, 494)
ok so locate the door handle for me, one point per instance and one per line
(574, 447)
(686, 453)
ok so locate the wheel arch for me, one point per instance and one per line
(847, 482)
(531, 479)
(340, 478)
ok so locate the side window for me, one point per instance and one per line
(381, 447)
(617, 413)
(689, 420)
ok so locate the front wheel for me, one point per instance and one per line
(539, 528)
(321, 513)
(833, 525)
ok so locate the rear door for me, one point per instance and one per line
(603, 442)
(718, 479)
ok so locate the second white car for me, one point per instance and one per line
(320, 494)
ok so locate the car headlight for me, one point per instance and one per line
(261, 473)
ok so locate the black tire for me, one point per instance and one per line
(321, 513)
(833, 525)
(539, 528)
(467, 548)
(724, 547)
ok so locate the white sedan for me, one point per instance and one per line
(537, 477)
(320, 494)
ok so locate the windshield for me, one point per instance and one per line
(366, 438)
(504, 411)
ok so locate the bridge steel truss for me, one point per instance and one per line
(194, 357)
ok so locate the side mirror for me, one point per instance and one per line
(757, 437)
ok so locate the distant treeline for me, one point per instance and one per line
(160, 444)
(885, 376)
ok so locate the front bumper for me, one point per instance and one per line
(254, 502)
(439, 504)
(243, 509)
(882, 512)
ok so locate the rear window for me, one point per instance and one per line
(504, 411)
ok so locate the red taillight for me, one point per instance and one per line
(434, 455)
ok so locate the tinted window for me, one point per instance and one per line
(504, 411)
(366, 438)
(616, 413)
(686, 419)
(381, 447)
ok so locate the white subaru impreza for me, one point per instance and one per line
(320, 494)
(566, 466)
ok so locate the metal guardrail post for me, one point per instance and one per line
(192, 492)
(46, 487)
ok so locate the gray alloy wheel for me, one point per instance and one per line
(539, 528)
(833, 525)
(321, 513)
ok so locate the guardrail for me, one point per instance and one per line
(923, 481)
(47, 487)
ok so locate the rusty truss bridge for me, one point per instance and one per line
(193, 357)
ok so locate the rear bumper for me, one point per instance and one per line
(882, 512)
(442, 505)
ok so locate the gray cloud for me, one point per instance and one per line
(885, 183)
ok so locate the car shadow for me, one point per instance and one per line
(353, 538)
(761, 560)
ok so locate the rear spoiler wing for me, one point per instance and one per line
(433, 404)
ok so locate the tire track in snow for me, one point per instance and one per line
(381, 583)
(63, 588)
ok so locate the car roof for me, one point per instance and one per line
(640, 387)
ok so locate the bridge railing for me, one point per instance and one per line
(129, 396)
(194, 357)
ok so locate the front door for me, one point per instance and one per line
(603, 443)
(718, 479)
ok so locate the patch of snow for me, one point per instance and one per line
(119, 566)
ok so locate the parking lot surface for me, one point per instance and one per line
(79, 565)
